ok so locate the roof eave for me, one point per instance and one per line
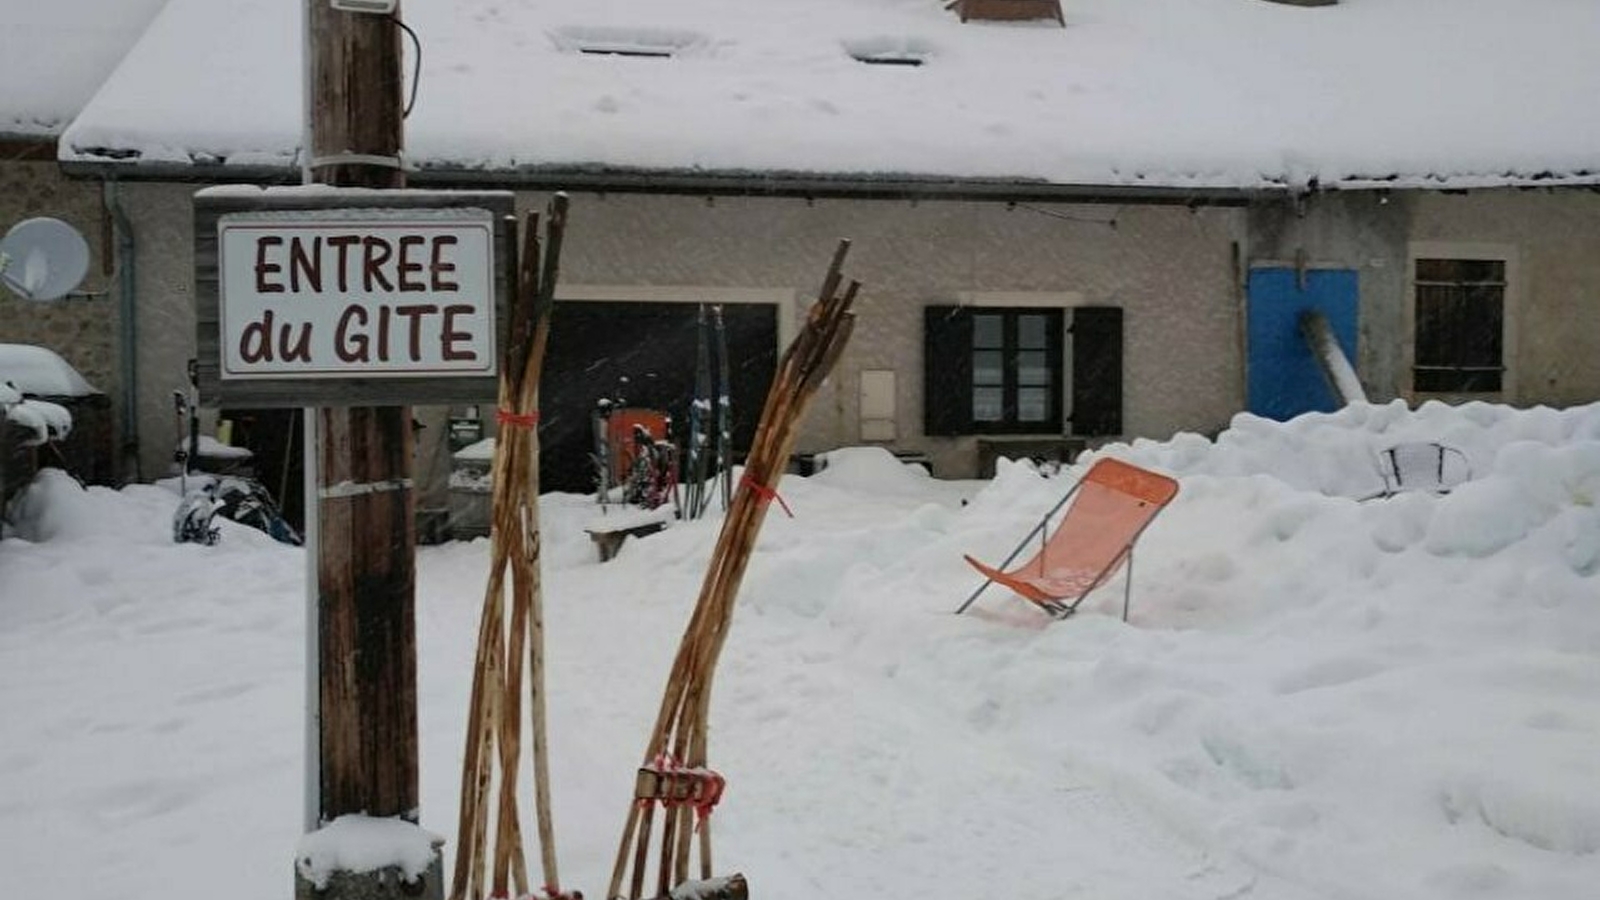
(813, 185)
(27, 147)
(805, 185)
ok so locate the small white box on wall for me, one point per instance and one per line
(877, 405)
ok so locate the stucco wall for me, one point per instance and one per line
(161, 220)
(1365, 232)
(1554, 354)
(1170, 269)
(81, 329)
(1552, 237)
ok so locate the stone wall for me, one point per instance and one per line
(81, 328)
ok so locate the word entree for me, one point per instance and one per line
(372, 296)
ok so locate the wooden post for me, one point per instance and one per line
(366, 537)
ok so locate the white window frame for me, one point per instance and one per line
(1058, 300)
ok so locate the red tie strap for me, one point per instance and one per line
(520, 420)
(766, 494)
(672, 784)
(712, 786)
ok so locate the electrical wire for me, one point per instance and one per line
(416, 67)
(1087, 220)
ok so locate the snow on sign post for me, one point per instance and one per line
(330, 297)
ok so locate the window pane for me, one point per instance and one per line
(988, 367)
(1032, 333)
(987, 404)
(1033, 404)
(1032, 369)
(1462, 270)
(1481, 327)
(1460, 324)
(988, 331)
(1436, 270)
(1458, 382)
(1492, 271)
(1436, 317)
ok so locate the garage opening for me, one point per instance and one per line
(595, 345)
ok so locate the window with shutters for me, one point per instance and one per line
(1460, 325)
(1016, 370)
(1000, 370)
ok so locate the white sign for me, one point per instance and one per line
(340, 293)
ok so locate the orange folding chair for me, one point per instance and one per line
(1111, 507)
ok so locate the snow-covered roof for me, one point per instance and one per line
(39, 372)
(55, 54)
(1230, 94)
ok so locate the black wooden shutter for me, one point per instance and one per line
(946, 370)
(1097, 370)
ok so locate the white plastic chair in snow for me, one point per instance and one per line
(1425, 466)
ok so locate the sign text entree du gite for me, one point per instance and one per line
(401, 297)
(341, 304)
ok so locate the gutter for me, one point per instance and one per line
(810, 186)
(799, 185)
(600, 179)
(127, 313)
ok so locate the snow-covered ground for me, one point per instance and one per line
(1315, 697)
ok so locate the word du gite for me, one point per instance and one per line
(355, 285)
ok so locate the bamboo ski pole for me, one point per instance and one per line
(679, 738)
(511, 652)
(724, 412)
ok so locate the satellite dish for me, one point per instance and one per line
(43, 259)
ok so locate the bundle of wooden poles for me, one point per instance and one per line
(491, 859)
(674, 775)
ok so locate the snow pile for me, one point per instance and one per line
(1314, 697)
(40, 372)
(48, 421)
(1338, 453)
(479, 451)
(209, 447)
(56, 507)
(870, 468)
(358, 843)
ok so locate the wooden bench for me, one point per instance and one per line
(609, 540)
(1008, 10)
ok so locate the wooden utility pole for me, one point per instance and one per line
(365, 500)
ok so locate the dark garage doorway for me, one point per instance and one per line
(594, 344)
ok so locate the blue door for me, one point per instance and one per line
(1284, 378)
